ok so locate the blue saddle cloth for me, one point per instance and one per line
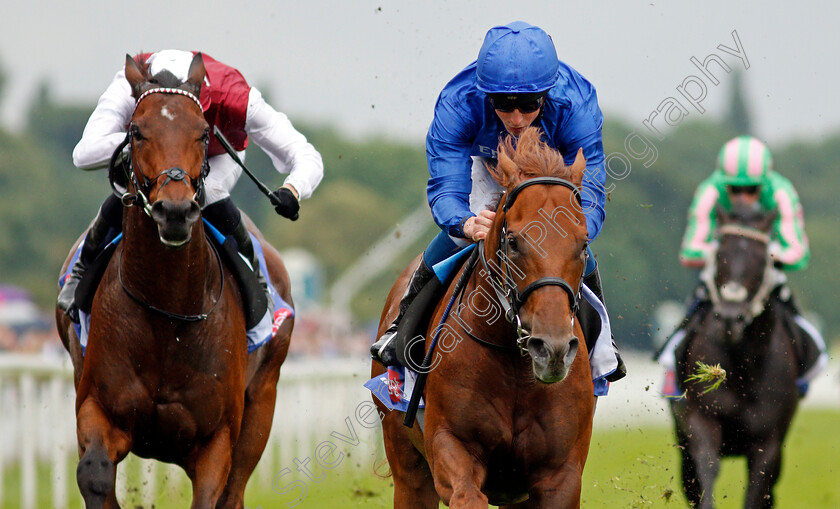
(258, 335)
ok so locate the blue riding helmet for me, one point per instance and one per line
(517, 58)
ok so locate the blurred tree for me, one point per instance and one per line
(370, 184)
(737, 116)
(59, 125)
(3, 79)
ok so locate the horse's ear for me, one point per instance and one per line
(196, 75)
(578, 168)
(134, 76)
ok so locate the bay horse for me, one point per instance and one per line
(749, 332)
(165, 373)
(508, 415)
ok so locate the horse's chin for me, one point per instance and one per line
(550, 376)
(174, 243)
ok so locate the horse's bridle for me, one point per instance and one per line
(175, 173)
(510, 297)
(756, 304)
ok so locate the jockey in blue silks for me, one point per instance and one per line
(516, 82)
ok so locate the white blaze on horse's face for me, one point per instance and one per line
(165, 113)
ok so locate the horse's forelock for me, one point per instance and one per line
(526, 157)
(163, 79)
(747, 214)
(166, 79)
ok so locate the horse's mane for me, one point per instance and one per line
(525, 157)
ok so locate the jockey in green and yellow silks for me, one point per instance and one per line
(744, 174)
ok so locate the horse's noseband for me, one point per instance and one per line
(511, 298)
(736, 292)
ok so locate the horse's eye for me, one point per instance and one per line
(205, 136)
(135, 132)
(511, 242)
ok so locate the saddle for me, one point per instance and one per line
(254, 299)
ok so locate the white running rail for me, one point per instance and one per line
(315, 399)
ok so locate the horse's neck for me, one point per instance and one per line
(160, 274)
(773, 319)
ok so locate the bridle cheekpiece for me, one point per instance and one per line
(510, 297)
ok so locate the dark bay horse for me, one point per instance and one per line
(165, 373)
(748, 332)
(510, 423)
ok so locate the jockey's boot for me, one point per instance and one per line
(246, 247)
(226, 218)
(591, 322)
(809, 350)
(384, 350)
(96, 235)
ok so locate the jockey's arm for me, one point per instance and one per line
(106, 127)
(448, 155)
(582, 129)
(698, 241)
(288, 149)
(793, 251)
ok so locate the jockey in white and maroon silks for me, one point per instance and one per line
(745, 173)
(230, 103)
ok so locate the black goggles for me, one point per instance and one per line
(751, 190)
(526, 103)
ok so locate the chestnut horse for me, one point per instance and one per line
(165, 373)
(507, 423)
(749, 332)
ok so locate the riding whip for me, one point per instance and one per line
(232, 153)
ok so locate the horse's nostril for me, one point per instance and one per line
(539, 348)
(194, 211)
(158, 213)
(165, 210)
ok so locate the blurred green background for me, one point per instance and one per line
(370, 184)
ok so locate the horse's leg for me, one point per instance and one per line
(701, 459)
(558, 489)
(765, 464)
(260, 398)
(209, 470)
(101, 448)
(414, 486)
(458, 474)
